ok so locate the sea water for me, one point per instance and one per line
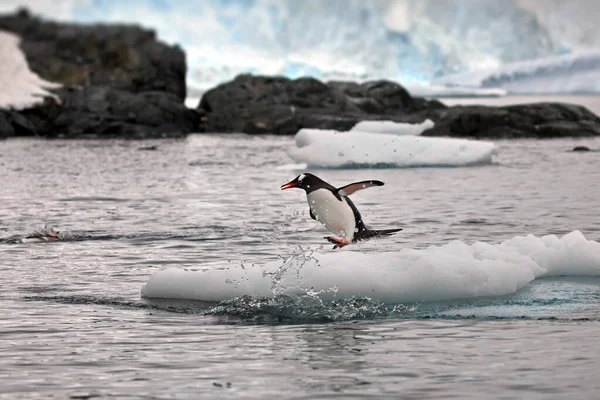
(463, 302)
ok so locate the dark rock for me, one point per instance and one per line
(537, 120)
(124, 57)
(6, 128)
(12, 123)
(259, 104)
(581, 148)
(118, 81)
(278, 105)
(105, 111)
(21, 125)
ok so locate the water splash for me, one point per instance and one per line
(293, 303)
(292, 266)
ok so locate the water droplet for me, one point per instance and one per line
(341, 154)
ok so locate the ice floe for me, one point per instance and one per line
(353, 149)
(455, 270)
(395, 128)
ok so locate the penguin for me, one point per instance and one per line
(42, 237)
(48, 234)
(333, 208)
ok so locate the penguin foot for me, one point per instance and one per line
(339, 243)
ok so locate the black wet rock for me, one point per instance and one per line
(535, 120)
(102, 111)
(125, 57)
(277, 105)
(13, 123)
(581, 148)
(119, 81)
(6, 128)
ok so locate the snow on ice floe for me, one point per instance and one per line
(449, 272)
(21, 88)
(332, 149)
(395, 128)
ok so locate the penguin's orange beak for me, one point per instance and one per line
(290, 185)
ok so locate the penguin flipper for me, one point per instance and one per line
(312, 214)
(356, 186)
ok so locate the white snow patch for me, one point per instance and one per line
(21, 88)
(448, 272)
(333, 149)
(396, 128)
(192, 101)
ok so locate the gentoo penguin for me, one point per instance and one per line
(42, 237)
(332, 207)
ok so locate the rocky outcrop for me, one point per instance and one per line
(121, 81)
(123, 57)
(536, 120)
(117, 80)
(102, 111)
(258, 104)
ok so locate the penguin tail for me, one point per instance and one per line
(371, 233)
(387, 232)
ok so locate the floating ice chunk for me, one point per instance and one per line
(332, 149)
(21, 88)
(396, 128)
(452, 271)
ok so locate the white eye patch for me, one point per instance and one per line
(302, 176)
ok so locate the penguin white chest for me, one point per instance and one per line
(336, 215)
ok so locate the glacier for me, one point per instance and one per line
(578, 72)
(452, 271)
(412, 42)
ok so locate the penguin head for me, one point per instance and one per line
(303, 181)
